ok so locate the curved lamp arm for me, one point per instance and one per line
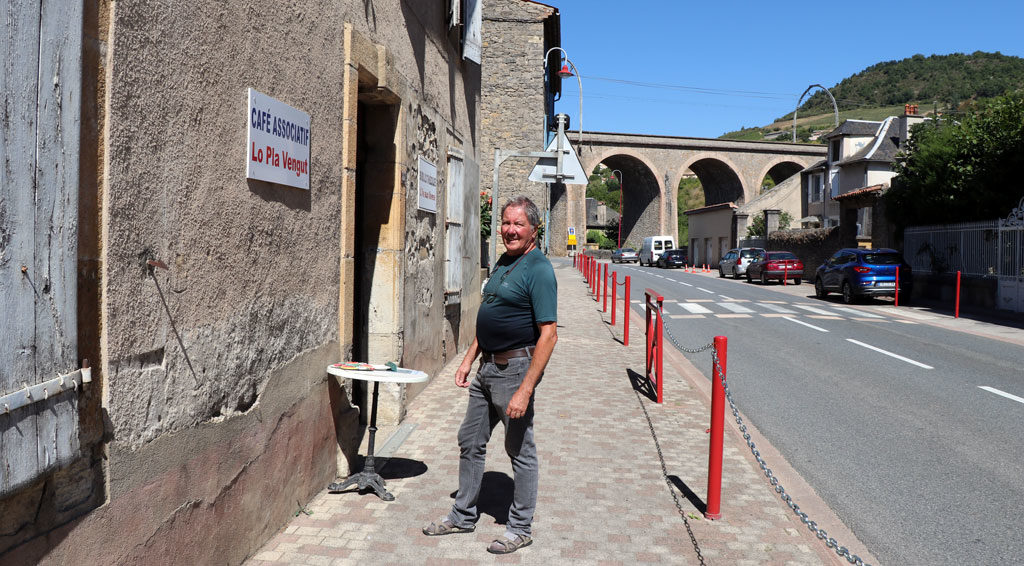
(835, 108)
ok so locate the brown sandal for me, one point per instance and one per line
(445, 527)
(505, 546)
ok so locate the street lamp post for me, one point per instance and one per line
(566, 73)
(619, 179)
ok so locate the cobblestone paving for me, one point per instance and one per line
(602, 497)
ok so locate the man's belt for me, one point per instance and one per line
(504, 357)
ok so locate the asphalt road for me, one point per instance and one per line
(883, 415)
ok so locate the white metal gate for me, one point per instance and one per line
(1011, 260)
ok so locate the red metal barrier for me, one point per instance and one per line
(605, 278)
(896, 297)
(655, 311)
(956, 311)
(625, 315)
(714, 509)
(615, 297)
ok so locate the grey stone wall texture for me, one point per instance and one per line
(512, 107)
(214, 417)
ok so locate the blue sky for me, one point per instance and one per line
(726, 64)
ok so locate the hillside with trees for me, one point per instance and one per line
(947, 84)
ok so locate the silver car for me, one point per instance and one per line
(625, 255)
(736, 260)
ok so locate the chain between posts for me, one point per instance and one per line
(822, 535)
(664, 473)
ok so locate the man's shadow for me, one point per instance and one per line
(495, 499)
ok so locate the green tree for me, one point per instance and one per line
(963, 170)
(690, 196)
(758, 229)
(604, 187)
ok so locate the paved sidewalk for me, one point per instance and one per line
(603, 498)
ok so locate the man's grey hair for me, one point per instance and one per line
(532, 213)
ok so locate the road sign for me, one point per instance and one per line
(572, 169)
(572, 230)
(572, 239)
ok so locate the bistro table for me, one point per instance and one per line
(369, 478)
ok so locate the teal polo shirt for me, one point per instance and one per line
(521, 293)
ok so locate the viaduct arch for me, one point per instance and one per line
(652, 166)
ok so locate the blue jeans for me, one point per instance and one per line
(489, 395)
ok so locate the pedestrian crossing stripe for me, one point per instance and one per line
(745, 308)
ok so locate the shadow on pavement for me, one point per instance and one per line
(692, 497)
(642, 385)
(495, 499)
(399, 468)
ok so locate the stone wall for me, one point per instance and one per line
(813, 247)
(513, 102)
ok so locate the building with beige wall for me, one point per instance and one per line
(711, 232)
(209, 302)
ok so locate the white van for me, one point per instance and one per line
(652, 248)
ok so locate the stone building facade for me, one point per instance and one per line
(210, 303)
(517, 106)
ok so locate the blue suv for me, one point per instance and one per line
(857, 273)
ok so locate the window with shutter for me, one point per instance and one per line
(454, 222)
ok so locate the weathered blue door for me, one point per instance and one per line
(39, 141)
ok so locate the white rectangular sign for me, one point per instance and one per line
(427, 186)
(277, 147)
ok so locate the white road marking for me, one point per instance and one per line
(791, 319)
(1001, 393)
(705, 290)
(687, 284)
(727, 298)
(685, 316)
(777, 308)
(732, 315)
(815, 310)
(735, 307)
(855, 312)
(890, 354)
(695, 308)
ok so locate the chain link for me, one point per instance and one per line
(671, 488)
(822, 535)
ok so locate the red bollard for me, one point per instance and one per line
(956, 311)
(625, 315)
(785, 274)
(897, 296)
(714, 509)
(605, 287)
(615, 297)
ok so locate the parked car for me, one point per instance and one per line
(776, 265)
(624, 255)
(672, 258)
(653, 246)
(857, 273)
(736, 260)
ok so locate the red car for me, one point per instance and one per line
(776, 265)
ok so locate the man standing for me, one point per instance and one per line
(515, 335)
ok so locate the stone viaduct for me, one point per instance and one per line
(652, 166)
